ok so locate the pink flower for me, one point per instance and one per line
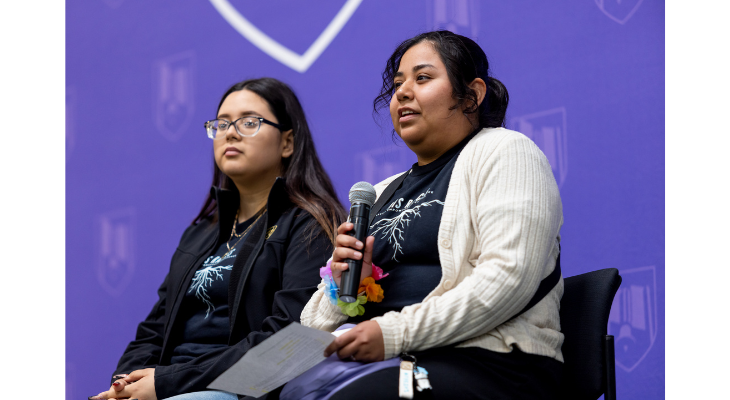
(326, 270)
(378, 273)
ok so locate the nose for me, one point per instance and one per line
(232, 133)
(404, 91)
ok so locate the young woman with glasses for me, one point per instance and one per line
(247, 265)
(465, 240)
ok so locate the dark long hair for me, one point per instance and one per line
(307, 183)
(464, 61)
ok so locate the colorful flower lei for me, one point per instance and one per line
(368, 290)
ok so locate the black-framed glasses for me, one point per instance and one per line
(245, 126)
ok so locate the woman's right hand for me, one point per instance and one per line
(346, 247)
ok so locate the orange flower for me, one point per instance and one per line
(373, 291)
(364, 284)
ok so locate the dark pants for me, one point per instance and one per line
(467, 373)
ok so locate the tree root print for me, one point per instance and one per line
(393, 228)
(203, 280)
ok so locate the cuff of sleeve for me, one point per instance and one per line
(320, 313)
(332, 312)
(392, 335)
(162, 387)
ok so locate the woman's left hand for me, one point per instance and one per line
(140, 384)
(364, 342)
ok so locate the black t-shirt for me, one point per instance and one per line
(406, 235)
(205, 305)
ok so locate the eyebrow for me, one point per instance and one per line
(243, 114)
(415, 69)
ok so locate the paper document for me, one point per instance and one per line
(275, 361)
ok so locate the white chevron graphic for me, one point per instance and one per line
(276, 50)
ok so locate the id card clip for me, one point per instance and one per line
(405, 379)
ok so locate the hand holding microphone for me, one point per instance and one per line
(353, 255)
(347, 247)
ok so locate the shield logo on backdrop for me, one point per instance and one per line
(375, 165)
(548, 130)
(173, 91)
(115, 267)
(633, 319)
(71, 101)
(279, 52)
(458, 16)
(619, 10)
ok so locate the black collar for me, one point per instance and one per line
(228, 202)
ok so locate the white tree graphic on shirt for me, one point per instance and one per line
(205, 277)
(393, 228)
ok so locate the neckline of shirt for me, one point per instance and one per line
(417, 170)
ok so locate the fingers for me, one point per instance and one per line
(364, 342)
(341, 254)
(135, 375)
(348, 247)
(345, 227)
(338, 343)
(353, 351)
(109, 394)
(119, 388)
(119, 394)
(118, 385)
(346, 244)
(368, 257)
(124, 393)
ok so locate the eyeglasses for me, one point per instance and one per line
(245, 126)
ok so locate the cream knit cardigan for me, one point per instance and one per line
(498, 238)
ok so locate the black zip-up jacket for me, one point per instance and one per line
(273, 277)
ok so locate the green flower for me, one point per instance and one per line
(353, 309)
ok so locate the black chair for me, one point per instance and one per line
(589, 368)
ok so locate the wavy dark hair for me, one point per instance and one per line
(307, 183)
(464, 61)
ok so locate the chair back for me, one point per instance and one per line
(584, 311)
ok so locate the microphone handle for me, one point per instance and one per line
(350, 280)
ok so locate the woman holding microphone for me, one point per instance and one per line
(465, 239)
(247, 265)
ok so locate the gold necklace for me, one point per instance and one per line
(233, 231)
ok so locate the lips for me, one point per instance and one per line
(405, 111)
(232, 151)
(406, 114)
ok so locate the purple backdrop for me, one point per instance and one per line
(586, 81)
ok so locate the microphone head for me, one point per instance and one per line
(362, 192)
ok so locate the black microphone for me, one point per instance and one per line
(362, 196)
